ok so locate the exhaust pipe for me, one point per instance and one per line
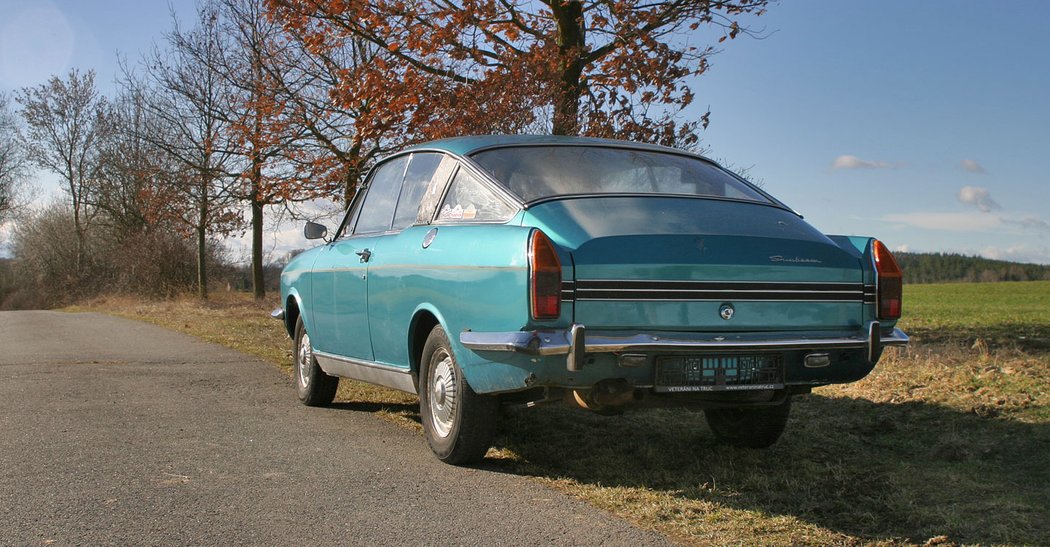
(605, 397)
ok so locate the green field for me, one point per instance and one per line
(1012, 313)
(948, 441)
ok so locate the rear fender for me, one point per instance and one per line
(470, 277)
(862, 245)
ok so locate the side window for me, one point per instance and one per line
(347, 224)
(377, 211)
(432, 198)
(469, 199)
(421, 169)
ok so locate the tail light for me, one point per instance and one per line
(889, 281)
(544, 278)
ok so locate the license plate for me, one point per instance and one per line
(677, 374)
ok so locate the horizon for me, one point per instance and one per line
(920, 124)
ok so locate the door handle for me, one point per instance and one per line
(365, 255)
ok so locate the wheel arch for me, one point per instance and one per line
(424, 319)
(292, 312)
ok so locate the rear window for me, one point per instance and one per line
(537, 172)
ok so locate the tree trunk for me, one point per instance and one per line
(202, 240)
(75, 194)
(78, 229)
(202, 262)
(258, 282)
(572, 45)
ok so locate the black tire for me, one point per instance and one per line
(750, 427)
(459, 424)
(314, 387)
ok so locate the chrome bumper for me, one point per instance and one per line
(575, 344)
(278, 314)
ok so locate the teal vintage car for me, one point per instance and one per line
(489, 270)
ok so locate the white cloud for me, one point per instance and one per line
(973, 167)
(903, 248)
(1018, 252)
(848, 161)
(952, 222)
(1030, 223)
(977, 196)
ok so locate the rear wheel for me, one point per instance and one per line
(314, 387)
(458, 423)
(751, 427)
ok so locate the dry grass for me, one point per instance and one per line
(946, 442)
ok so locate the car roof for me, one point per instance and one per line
(465, 146)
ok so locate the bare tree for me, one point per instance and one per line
(187, 101)
(66, 122)
(12, 161)
(131, 169)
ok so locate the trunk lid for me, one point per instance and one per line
(687, 264)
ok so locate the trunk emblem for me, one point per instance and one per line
(794, 260)
(726, 311)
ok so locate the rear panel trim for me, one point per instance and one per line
(677, 290)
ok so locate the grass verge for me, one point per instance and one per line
(947, 441)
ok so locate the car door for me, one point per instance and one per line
(341, 271)
(394, 288)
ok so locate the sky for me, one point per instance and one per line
(921, 123)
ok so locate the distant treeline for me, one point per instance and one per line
(947, 268)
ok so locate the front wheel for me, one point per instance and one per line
(459, 424)
(752, 427)
(314, 387)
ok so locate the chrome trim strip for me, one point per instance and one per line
(744, 291)
(722, 282)
(719, 299)
(559, 342)
(641, 296)
(366, 371)
(677, 290)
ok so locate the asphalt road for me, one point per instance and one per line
(118, 432)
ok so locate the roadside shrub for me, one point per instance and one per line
(155, 261)
(45, 271)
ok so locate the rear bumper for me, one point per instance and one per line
(575, 343)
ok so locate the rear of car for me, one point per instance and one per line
(658, 277)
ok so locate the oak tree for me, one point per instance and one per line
(596, 67)
(259, 125)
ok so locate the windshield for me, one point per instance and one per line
(537, 172)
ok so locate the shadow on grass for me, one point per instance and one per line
(875, 471)
(1030, 338)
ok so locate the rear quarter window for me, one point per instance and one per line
(468, 200)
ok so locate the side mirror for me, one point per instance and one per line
(314, 230)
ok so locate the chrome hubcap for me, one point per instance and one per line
(304, 360)
(443, 395)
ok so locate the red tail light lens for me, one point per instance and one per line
(544, 278)
(890, 279)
